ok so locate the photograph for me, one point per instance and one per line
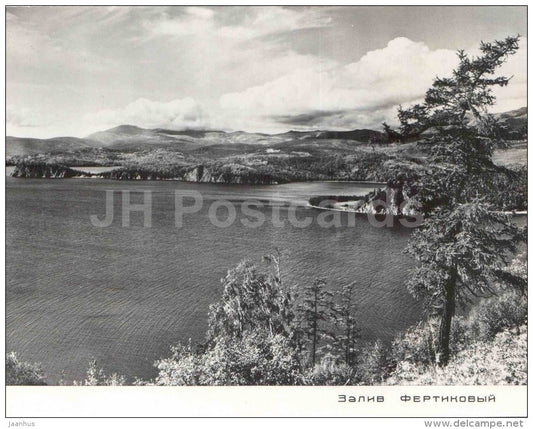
(318, 197)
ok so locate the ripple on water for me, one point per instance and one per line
(125, 295)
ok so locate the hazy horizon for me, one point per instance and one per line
(211, 129)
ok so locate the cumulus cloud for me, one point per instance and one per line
(401, 72)
(363, 93)
(175, 114)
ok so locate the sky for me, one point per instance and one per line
(76, 70)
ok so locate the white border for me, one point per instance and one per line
(243, 401)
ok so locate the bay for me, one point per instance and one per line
(124, 295)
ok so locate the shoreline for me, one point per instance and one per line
(355, 181)
(509, 212)
(99, 175)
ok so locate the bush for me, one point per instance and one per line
(501, 361)
(253, 359)
(519, 265)
(250, 338)
(374, 364)
(418, 344)
(330, 373)
(22, 373)
(95, 376)
(494, 315)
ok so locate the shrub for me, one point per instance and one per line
(252, 359)
(374, 364)
(418, 343)
(329, 372)
(494, 315)
(95, 376)
(519, 265)
(501, 361)
(20, 373)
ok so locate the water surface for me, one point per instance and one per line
(125, 295)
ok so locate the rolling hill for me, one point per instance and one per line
(129, 139)
(21, 146)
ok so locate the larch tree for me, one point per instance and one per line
(315, 312)
(346, 338)
(465, 243)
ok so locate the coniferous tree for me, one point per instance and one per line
(463, 253)
(345, 340)
(315, 312)
(465, 243)
(392, 136)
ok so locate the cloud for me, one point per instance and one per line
(271, 20)
(363, 93)
(401, 72)
(80, 69)
(226, 49)
(40, 44)
(175, 114)
(194, 20)
(37, 123)
(254, 23)
(345, 119)
(22, 117)
(305, 119)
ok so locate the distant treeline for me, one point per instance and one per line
(43, 170)
(362, 166)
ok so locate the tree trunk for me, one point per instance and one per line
(348, 345)
(315, 328)
(443, 353)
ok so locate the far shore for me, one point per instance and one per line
(346, 208)
(356, 181)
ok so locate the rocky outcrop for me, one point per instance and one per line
(230, 173)
(396, 198)
(198, 174)
(46, 171)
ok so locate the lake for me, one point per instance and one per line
(125, 295)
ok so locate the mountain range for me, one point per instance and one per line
(130, 138)
(128, 142)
